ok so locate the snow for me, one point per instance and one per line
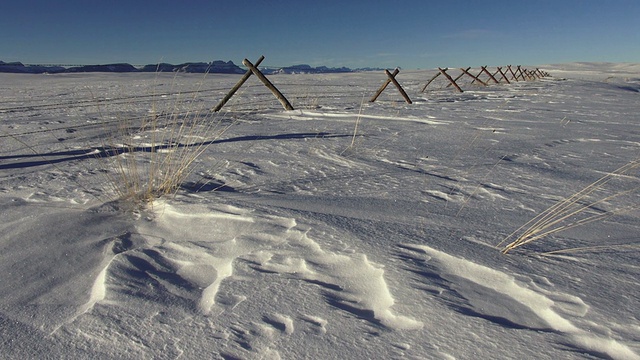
(341, 229)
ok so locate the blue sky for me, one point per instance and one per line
(356, 33)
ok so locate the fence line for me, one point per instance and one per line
(348, 92)
(519, 74)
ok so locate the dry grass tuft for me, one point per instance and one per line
(151, 157)
(573, 211)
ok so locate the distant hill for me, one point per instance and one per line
(307, 69)
(218, 66)
(120, 68)
(18, 67)
(215, 67)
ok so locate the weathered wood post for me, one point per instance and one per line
(431, 80)
(475, 77)
(513, 74)
(458, 77)
(285, 103)
(495, 75)
(384, 86)
(391, 78)
(484, 69)
(397, 84)
(238, 85)
(519, 72)
(503, 75)
(453, 82)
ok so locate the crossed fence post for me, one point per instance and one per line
(475, 78)
(503, 75)
(454, 82)
(431, 80)
(253, 69)
(484, 69)
(391, 78)
(513, 74)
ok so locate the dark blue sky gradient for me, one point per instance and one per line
(410, 34)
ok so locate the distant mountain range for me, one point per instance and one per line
(216, 67)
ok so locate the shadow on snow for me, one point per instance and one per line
(106, 152)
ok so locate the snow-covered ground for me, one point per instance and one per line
(343, 229)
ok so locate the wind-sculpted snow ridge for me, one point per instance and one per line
(487, 293)
(173, 265)
(351, 283)
(200, 248)
(200, 245)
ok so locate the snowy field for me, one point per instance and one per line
(340, 230)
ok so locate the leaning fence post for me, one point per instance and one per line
(397, 84)
(495, 74)
(384, 86)
(431, 80)
(520, 74)
(513, 75)
(457, 77)
(453, 82)
(484, 69)
(239, 84)
(503, 75)
(475, 77)
(285, 103)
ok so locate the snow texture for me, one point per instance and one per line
(342, 229)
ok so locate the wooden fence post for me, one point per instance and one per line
(513, 75)
(458, 77)
(503, 75)
(495, 75)
(397, 84)
(517, 72)
(391, 78)
(484, 69)
(453, 82)
(239, 84)
(520, 74)
(285, 103)
(431, 80)
(384, 86)
(475, 77)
